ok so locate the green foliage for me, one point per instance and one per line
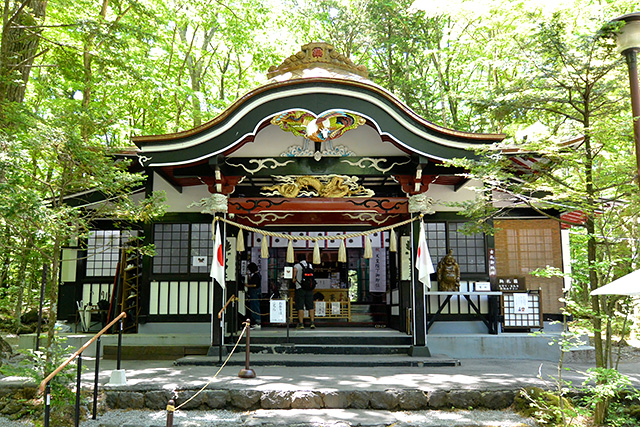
(36, 365)
(543, 406)
(604, 384)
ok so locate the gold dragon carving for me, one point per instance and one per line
(330, 186)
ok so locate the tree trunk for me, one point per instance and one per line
(21, 283)
(52, 294)
(19, 47)
(5, 259)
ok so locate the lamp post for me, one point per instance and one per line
(628, 41)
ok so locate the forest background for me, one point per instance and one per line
(79, 78)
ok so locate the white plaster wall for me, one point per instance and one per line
(273, 141)
(179, 202)
(444, 194)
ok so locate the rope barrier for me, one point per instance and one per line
(316, 238)
(254, 312)
(216, 374)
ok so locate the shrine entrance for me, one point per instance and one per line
(360, 288)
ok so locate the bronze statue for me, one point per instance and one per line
(448, 273)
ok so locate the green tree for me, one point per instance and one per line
(19, 47)
(570, 84)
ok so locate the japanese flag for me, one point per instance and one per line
(217, 265)
(423, 259)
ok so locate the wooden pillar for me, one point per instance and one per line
(419, 326)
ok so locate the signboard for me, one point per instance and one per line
(482, 286)
(521, 303)
(378, 271)
(335, 308)
(277, 311)
(241, 303)
(321, 308)
(199, 261)
(492, 264)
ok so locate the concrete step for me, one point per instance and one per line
(294, 348)
(581, 354)
(318, 360)
(319, 337)
(153, 352)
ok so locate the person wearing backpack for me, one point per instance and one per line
(305, 283)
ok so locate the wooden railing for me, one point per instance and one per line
(45, 385)
(222, 310)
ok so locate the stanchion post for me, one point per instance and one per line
(119, 345)
(47, 404)
(95, 380)
(286, 310)
(247, 372)
(78, 390)
(171, 408)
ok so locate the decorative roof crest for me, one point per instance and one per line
(317, 54)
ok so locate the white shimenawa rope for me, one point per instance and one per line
(315, 238)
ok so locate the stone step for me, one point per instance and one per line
(323, 349)
(253, 400)
(318, 360)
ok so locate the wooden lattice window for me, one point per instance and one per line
(182, 248)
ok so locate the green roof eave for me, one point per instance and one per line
(241, 121)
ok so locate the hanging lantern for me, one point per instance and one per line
(368, 252)
(264, 249)
(342, 252)
(290, 257)
(316, 253)
(240, 243)
(393, 243)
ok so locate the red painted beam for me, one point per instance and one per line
(380, 205)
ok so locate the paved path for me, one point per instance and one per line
(472, 374)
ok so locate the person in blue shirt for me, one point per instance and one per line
(254, 294)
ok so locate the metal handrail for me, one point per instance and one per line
(231, 299)
(45, 385)
(80, 350)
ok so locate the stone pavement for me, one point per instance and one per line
(336, 396)
(471, 374)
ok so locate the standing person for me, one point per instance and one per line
(254, 293)
(304, 297)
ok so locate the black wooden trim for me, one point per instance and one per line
(461, 184)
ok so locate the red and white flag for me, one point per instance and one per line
(423, 259)
(217, 265)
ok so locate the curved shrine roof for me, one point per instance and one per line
(317, 81)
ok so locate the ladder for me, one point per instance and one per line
(126, 290)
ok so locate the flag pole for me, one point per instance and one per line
(223, 241)
(413, 287)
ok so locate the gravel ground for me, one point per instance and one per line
(304, 418)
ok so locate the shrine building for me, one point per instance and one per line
(324, 161)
